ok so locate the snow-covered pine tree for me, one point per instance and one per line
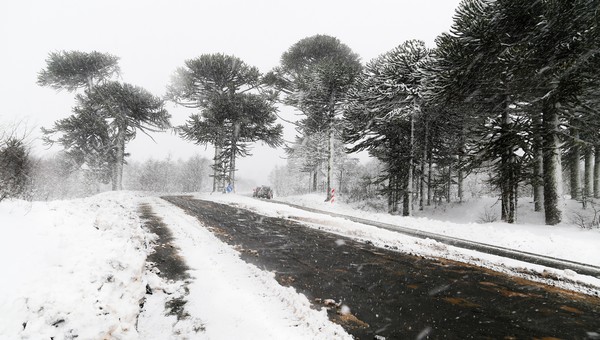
(314, 76)
(104, 120)
(232, 111)
(86, 141)
(381, 114)
(497, 56)
(565, 31)
(72, 71)
(591, 139)
(483, 30)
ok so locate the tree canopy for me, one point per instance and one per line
(314, 76)
(72, 70)
(107, 115)
(233, 112)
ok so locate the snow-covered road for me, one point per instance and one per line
(77, 268)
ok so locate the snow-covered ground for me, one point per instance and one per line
(71, 268)
(78, 268)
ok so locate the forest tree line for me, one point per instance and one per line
(509, 91)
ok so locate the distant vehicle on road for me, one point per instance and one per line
(263, 192)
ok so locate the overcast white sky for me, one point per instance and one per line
(153, 38)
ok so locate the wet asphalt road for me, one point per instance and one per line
(394, 295)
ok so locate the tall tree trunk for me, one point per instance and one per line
(460, 173)
(117, 182)
(422, 182)
(597, 171)
(449, 182)
(538, 164)
(398, 185)
(510, 218)
(331, 113)
(393, 195)
(234, 139)
(588, 185)
(429, 173)
(330, 165)
(459, 179)
(115, 177)
(391, 200)
(503, 204)
(232, 167)
(216, 166)
(339, 190)
(516, 201)
(423, 160)
(506, 171)
(574, 158)
(552, 167)
(315, 179)
(408, 190)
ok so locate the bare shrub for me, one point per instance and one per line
(589, 220)
(488, 216)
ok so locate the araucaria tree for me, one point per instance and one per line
(508, 90)
(524, 70)
(108, 113)
(483, 100)
(382, 114)
(233, 110)
(314, 77)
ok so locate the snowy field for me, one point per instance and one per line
(77, 268)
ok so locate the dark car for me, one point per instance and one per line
(263, 192)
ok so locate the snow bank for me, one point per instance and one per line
(71, 268)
